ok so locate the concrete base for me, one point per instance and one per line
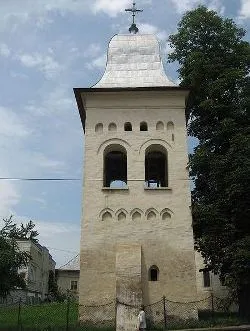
(128, 286)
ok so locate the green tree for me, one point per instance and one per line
(214, 61)
(11, 258)
(55, 293)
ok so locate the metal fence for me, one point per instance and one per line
(164, 314)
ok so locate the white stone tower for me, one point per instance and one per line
(137, 239)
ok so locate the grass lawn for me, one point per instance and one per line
(38, 317)
(53, 317)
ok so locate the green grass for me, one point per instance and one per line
(38, 317)
(53, 317)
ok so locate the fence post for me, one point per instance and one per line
(19, 313)
(165, 312)
(212, 302)
(67, 313)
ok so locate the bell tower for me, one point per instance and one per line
(136, 234)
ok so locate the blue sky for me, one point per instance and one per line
(47, 47)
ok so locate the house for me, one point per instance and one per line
(67, 278)
(35, 274)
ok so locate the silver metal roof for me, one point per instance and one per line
(134, 61)
(73, 264)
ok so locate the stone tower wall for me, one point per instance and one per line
(168, 244)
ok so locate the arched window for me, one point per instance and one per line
(115, 167)
(153, 273)
(127, 126)
(151, 216)
(166, 216)
(106, 216)
(156, 167)
(99, 128)
(143, 126)
(160, 126)
(170, 126)
(112, 127)
(122, 216)
(136, 215)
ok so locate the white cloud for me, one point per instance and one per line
(12, 13)
(92, 51)
(97, 63)
(152, 29)
(57, 101)
(114, 7)
(18, 75)
(217, 6)
(44, 63)
(184, 5)
(42, 161)
(11, 125)
(9, 196)
(244, 12)
(4, 50)
(111, 7)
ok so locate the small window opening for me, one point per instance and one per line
(99, 128)
(143, 126)
(106, 217)
(122, 217)
(166, 216)
(206, 278)
(153, 274)
(170, 126)
(156, 168)
(115, 168)
(151, 216)
(73, 285)
(127, 126)
(112, 127)
(136, 216)
(160, 126)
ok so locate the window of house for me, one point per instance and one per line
(206, 278)
(156, 167)
(127, 126)
(32, 273)
(115, 167)
(143, 126)
(73, 285)
(153, 273)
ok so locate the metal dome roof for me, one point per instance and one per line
(134, 61)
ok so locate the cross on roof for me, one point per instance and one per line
(134, 11)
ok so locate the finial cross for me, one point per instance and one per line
(134, 11)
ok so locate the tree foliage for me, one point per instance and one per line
(11, 258)
(12, 230)
(214, 61)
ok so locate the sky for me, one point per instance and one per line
(47, 47)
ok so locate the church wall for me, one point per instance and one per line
(167, 244)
